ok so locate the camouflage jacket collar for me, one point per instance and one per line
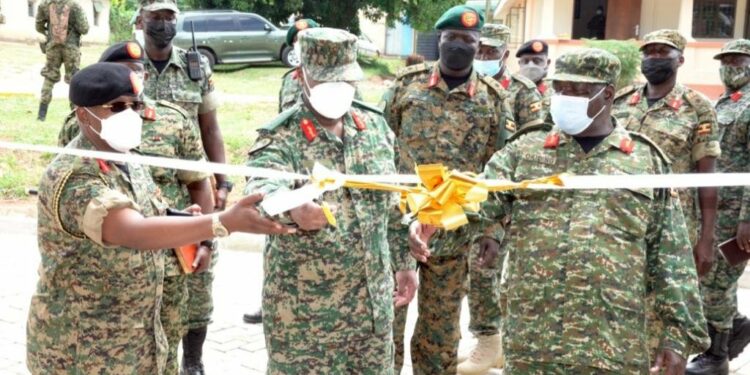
(618, 139)
(736, 95)
(673, 100)
(350, 127)
(174, 59)
(436, 82)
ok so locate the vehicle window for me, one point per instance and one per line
(201, 24)
(221, 23)
(250, 23)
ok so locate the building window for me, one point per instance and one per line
(714, 18)
(31, 8)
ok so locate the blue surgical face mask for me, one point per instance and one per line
(489, 68)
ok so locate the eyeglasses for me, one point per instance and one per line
(117, 107)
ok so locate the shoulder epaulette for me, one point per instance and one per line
(367, 107)
(545, 127)
(409, 70)
(495, 86)
(525, 81)
(176, 107)
(281, 118)
(653, 145)
(698, 101)
(627, 90)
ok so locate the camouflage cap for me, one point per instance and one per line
(495, 35)
(329, 55)
(737, 46)
(587, 65)
(297, 27)
(672, 38)
(461, 17)
(154, 5)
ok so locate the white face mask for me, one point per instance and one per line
(489, 68)
(330, 99)
(570, 113)
(121, 131)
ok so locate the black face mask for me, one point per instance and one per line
(657, 71)
(457, 55)
(161, 32)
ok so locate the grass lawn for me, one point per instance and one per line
(260, 85)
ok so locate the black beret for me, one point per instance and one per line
(533, 47)
(124, 52)
(101, 83)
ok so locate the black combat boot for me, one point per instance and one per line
(740, 336)
(715, 361)
(192, 352)
(42, 111)
(253, 318)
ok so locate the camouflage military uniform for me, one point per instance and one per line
(545, 89)
(196, 97)
(96, 307)
(524, 99)
(577, 274)
(63, 22)
(719, 286)
(683, 123)
(460, 128)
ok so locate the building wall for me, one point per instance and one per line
(19, 25)
(375, 30)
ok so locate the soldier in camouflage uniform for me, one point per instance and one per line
(485, 268)
(580, 262)
(169, 131)
(729, 330)
(445, 113)
(683, 123)
(96, 306)
(328, 291)
(168, 79)
(290, 87)
(534, 62)
(62, 22)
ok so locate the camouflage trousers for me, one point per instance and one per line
(399, 326)
(200, 303)
(719, 292)
(173, 317)
(56, 56)
(484, 294)
(434, 344)
(366, 356)
(546, 368)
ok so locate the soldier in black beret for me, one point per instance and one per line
(534, 62)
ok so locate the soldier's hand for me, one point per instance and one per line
(406, 287)
(309, 216)
(743, 236)
(419, 238)
(202, 259)
(221, 199)
(668, 363)
(489, 249)
(245, 217)
(703, 253)
(194, 210)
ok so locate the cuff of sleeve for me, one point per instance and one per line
(188, 177)
(210, 103)
(707, 149)
(745, 212)
(97, 210)
(682, 344)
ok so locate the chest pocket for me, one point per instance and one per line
(535, 205)
(186, 91)
(627, 211)
(161, 149)
(672, 133)
(420, 116)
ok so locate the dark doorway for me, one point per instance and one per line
(589, 19)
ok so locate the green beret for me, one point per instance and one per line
(672, 38)
(737, 46)
(124, 52)
(297, 27)
(330, 55)
(461, 17)
(587, 65)
(101, 83)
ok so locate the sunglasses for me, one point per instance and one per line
(117, 107)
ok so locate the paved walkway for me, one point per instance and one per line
(232, 346)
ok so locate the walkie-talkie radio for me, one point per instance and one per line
(194, 59)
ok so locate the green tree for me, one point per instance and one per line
(629, 54)
(120, 14)
(420, 14)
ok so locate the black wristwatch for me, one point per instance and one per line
(226, 185)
